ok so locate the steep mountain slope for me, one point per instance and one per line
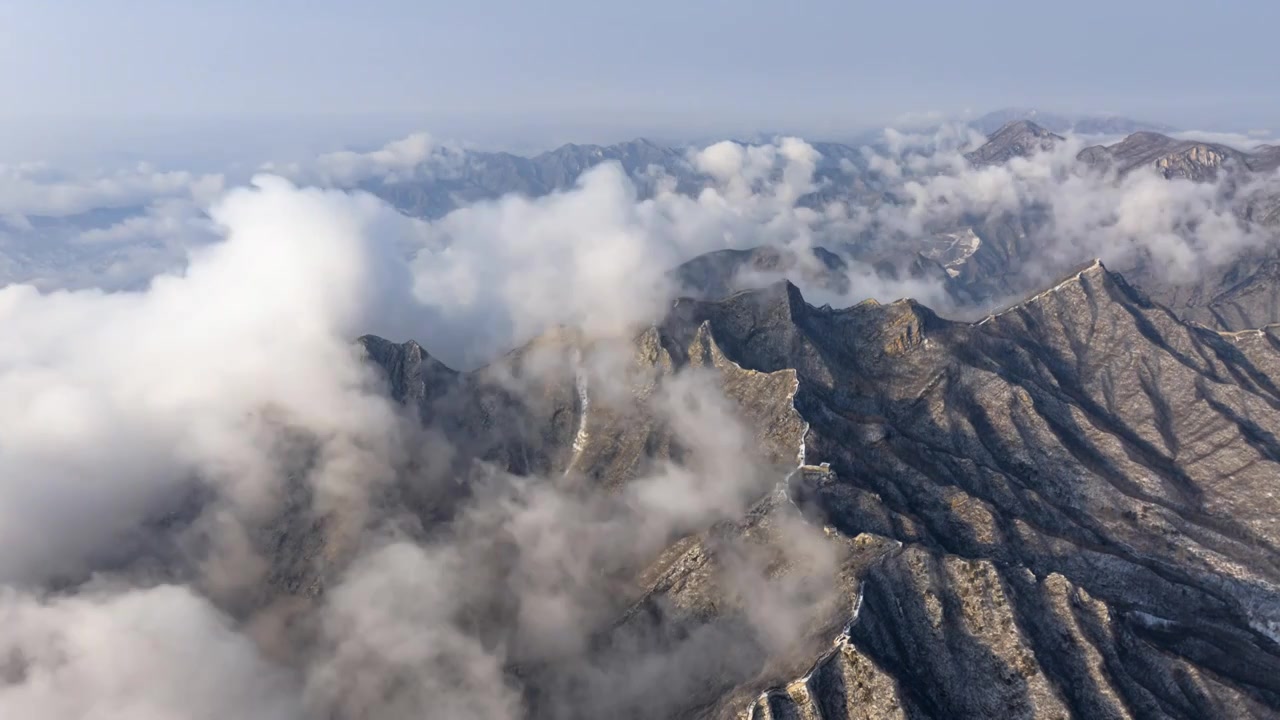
(1068, 509)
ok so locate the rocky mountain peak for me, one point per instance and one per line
(413, 375)
(1018, 138)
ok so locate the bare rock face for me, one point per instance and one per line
(1065, 510)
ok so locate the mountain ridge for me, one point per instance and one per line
(1048, 514)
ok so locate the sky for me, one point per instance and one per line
(507, 71)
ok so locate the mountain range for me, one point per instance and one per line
(471, 175)
(1001, 248)
(1048, 499)
(1067, 509)
(1083, 124)
(465, 176)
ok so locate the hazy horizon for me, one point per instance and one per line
(294, 77)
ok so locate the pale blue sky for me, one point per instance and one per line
(592, 67)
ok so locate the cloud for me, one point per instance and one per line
(208, 393)
(142, 654)
(166, 428)
(1240, 141)
(533, 573)
(415, 156)
(496, 273)
(36, 189)
(117, 398)
(946, 139)
(109, 229)
(1186, 228)
(391, 646)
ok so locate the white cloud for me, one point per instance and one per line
(1240, 141)
(239, 372)
(141, 654)
(1185, 227)
(496, 273)
(35, 189)
(392, 647)
(415, 156)
(115, 398)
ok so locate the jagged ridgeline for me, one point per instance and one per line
(1069, 509)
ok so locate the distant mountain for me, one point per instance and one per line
(469, 176)
(479, 175)
(1018, 138)
(982, 261)
(1066, 123)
